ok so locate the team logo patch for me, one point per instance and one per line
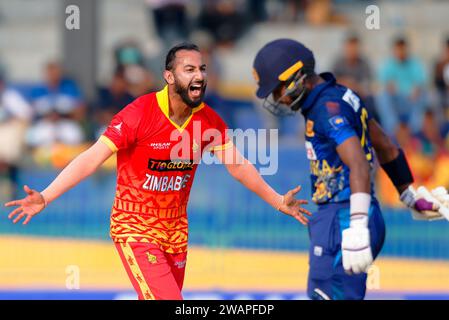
(309, 129)
(318, 251)
(337, 122)
(119, 126)
(151, 258)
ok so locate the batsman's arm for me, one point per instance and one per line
(391, 158)
(351, 153)
(245, 172)
(425, 205)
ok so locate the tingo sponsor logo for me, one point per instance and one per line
(169, 165)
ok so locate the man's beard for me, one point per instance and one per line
(184, 93)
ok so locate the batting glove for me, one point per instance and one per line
(425, 205)
(356, 249)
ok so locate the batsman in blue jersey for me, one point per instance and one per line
(342, 141)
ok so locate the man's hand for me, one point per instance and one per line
(427, 205)
(355, 246)
(29, 206)
(292, 206)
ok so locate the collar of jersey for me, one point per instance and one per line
(314, 94)
(164, 105)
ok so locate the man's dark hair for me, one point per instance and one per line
(352, 38)
(400, 41)
(171, 55)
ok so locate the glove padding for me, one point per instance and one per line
(356, 250)
(427, 205)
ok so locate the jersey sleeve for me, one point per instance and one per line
(122, 130)
(220, 140)
(335, 122)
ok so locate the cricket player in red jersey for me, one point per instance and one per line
(159, 139)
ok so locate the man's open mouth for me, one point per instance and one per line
(196, 90)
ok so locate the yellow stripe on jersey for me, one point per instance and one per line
(137, 273)
(163, 102)
(109, 143)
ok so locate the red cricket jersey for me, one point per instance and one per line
(156, 164)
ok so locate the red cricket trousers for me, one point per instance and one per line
(154, 274)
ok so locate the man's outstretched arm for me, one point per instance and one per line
(245, 172)
(81, 167)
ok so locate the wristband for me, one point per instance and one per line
(360, 203)
(398, 170)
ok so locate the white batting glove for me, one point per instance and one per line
(356, 249)
(425, 205)
(441, 197)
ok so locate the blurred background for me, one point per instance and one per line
(60, 87)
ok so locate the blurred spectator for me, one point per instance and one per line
(311, 12)
(429, 137)
(403, 81)
(318, 12)
(111, 100)
(353, 71)
(431, 158)
(130, 59)
(287, 11)
(140, 80)
(427, 156)
(15, 114)
(441, 78)
(59, 108)
(223, 20)
(257, 10)
(426, 150)
(128, 53)
(404, 137)
(170, 20)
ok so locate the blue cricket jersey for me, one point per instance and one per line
(333, 113)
